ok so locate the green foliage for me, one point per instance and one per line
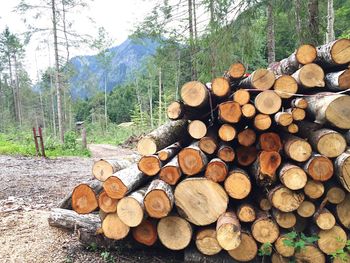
(107, 257)
(265, 249)
(92, 247)
(298, 240)
(342, 254)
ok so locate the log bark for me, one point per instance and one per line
(227, 132)
(241, 96)
(338, 81)
(230, 112)
(262, 122)
(114, 228)
(342, 170)
(260, 79)
(285, 86)
(169, 152)
(197, 129)
(343, 212)
(220, 87)
(282, 249)
(124, 182)
(84, 199)
(296, 148)
(265, 166)
(319, 168)
(324, 219)
(285, 199)
(283, 118)
(248, 110)
(200, 201)
(334, 53)
(192, 160)
(159, 199)
(292, 176)
(310, 254)
(193, 255)
(228, 231)
(206, 241)
(145, 233)
(310, 76)
(331, 240)
(226, 153)
(246, 155)
(300, 103)
(236, 70)
(162, 137)
(314, 189)
(330, 108)
(306, 209)
(264, 229)
(246, 137)
(237, 184)
(107, 204)
(171, 172)
(270, 141)
(216, 170)
(246, 213)
(174, 232)
(194, 94)
(247, 249)
(150, 164)
(104, 168)
(268, 102)
(131, 208)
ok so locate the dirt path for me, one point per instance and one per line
(29, 188)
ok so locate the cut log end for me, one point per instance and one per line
(314, 189)
(241, 96)
(335, 195)
(324, 219)
(228, 231)
(170, 174)
(265, 230)
(248, 110)
(293, 177)
(208, 145)
(343, 212)
(194, 94)
(207, 243)
(84, 199)
(157, 203)
(220, 87)
(227, 132)
(246, 155)
(282, 249)
(268, 102)
(149, 165)
(306, 54)
(102, 169)
(246, 213)
(114, 228)
(306, 209)
(145, 233)
(175, 110)
(262, 122)
(344, 80)
(197, 129)
(320, 168)
(238, 184)
(115, 188)
(216, 170)
(284, 199)
(226, 153)
(263, 79)
(332, 240)
(246, 137)
(285, 86)
(247, 249)
(236, 70)
(341, 51)
(191, 161)
(310, 76)
(310, 254)
(338, 112)
(270, 141)
(146, 146)
(130, 211)
(331, 144)
(230, 111)
(107, 204)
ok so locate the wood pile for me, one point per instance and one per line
(244, 160)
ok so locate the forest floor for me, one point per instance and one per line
(29, 188)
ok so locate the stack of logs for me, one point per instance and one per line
(244, 160)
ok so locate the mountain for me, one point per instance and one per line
(88, 73)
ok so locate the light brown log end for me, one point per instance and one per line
(84, 199)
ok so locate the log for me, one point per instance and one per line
(342, 170)
(338, 81)
(292, 128)
(310, 76)
(264, 229)
(292, 176)
(200, 201)
(331, 240)
(247, 249)
(335, 194)
(174, 232)
(228, 231)
(237, 184)
(241, 96)
(297, 113)
(246, 155)
(310, 254)
(262, 122)
(70, 220)
(230, 112)
(102, 169)
(334, 53)
(194, 94)
(285, 86)
(176, 110)
(264, 203)
(220, 87)
(268, 102)
(265, 166)
(84, 199)
(248, 110)
(114, 228)
(324, 219)
(227, 132)
(270, 141)
(330, 108)
(226, 153)
(300, 103)
(283, 118)
(192, 160)
(216, 170)
(169, 152)
(296, 148)
(246, 213)
(131, 208)
(197, 129)
(124, 182)
(162, 137)
(107, 204)
(206, 242)
(306, 209)
(282, 249)
(260, 79)
(277, 258)
(313, 189)
(319, 168)
(209, 144)
(193, 255)
(171, 172)
(284, 219)
(343, 212)
(145, 233)
(246, 137)
(158, 199)
(150, 164)
(347, 137)
(236, 70)
(285, 199)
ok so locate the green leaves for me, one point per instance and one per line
(265, 249)
(298, 240)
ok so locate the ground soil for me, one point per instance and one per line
(29, 188)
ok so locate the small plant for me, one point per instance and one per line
(265, 249)
(298, 240)
(342, 254)
(107, 257)
(92, 247)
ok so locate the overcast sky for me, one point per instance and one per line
(118, 17)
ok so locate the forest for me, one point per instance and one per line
(197, 39)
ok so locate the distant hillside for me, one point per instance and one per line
(89, 74)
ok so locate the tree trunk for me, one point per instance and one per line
(310, 76)
(228, 231)
(84, 199)
(338, 81)
(192, 44)
(292, 176)
(171, 172)
(285, 199)
(334, 53)
(206, 242)
(297, 11)
(270, 33)
(216, 170)
(330, 21)
(313, 21)
(192, 160)
(261, 79)
(169, 152)
(145, 233)
(200, 201)
(238, 184)
(160, 110)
